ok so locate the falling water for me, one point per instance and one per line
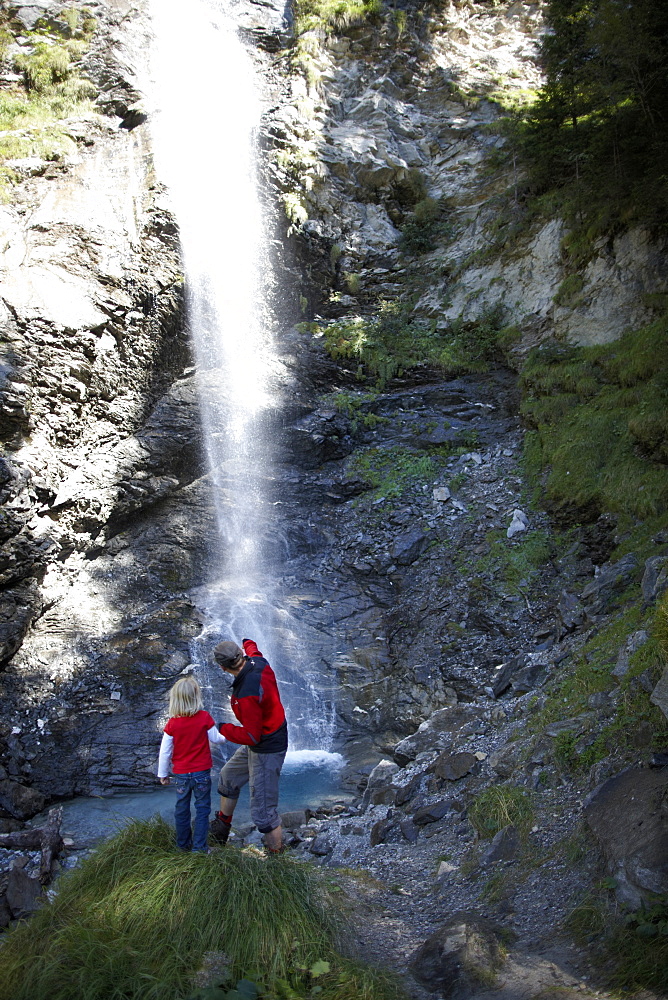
(204, 127)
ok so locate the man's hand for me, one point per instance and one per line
(164, 781)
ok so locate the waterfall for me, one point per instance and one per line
(206, 114)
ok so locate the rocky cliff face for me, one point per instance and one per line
(381, 117)
(92, 418)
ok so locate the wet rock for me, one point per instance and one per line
(628, 813)
(452, 766)
(23, 892)
(19, 801)
(655, 578)
(504, 847)
(459, 958)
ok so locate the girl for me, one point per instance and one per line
(185, 743)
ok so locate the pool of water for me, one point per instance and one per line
(310, 778)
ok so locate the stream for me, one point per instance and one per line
(310, 778)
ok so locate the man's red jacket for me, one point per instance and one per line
(257, 705)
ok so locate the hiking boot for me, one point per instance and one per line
(219, 830)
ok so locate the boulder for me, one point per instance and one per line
(628, 813)
(382, 774)
(505, 673)
(322, 845)
(381, 830)
(453, 766)
(19, 801)
(518, 524)
(459, 958)
(294, 818)
(571, 611)
(5, 912)
(504, 846)
(409, 547)
(431, 813)
(431, 733)
(409, 831)
(612, 578)
(23, 892)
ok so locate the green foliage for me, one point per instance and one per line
(355, 406)
(661, 626)
(501, 806)
(333, 15)
(391, 471)
(394, 341)
(597, 136)
(135, 919)
(590, 673)
(600, 425)
(421, 232)
(31, 116)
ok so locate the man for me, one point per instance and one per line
(263, 739)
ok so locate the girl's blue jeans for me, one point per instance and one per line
(198, 782)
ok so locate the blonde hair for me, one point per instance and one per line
(185, 698)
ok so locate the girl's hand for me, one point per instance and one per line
(164, 781)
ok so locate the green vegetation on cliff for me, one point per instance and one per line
(596, 139)
(136, 919)
(32, 112)
(599, 419)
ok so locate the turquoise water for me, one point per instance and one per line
(310, 778)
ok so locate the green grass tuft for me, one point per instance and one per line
(501, 806)
(134, 921)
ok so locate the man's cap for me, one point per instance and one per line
(227, 653)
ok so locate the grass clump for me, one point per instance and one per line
(136, 918)
(501, 806)
(631, 947)
(599, 419)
